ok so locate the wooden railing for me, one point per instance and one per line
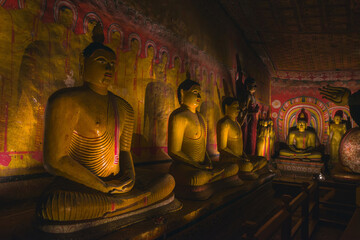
(286, 220)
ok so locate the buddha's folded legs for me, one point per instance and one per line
(287, 153)
(69, 201)
(255, 163)
(186, 175)
(258, 162)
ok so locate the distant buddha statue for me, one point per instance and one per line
(349, 150)
(88, 132)
(230, 141)
(265, 138)
(302, 141)
(336, 130)
(192, 168)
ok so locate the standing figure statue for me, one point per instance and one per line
(88, 132)
(336, 130)
(349, 150)
(245, 93)
(265, 138)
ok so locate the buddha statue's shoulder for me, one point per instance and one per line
(179, 114)
(310, 132)
(68, 95)
(224, 122)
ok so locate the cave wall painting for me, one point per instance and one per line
(40, 50)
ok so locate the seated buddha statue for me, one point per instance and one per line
(88, 132)
(336, 130)
(230, 141)
(302, 141)
(192, 168)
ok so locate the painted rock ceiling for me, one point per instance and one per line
(301, 35)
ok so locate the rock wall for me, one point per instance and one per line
(156, 43)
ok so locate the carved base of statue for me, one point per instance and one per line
(299, 167)
(305, 156)
(198, 184)
(344, 174)
(70, 207)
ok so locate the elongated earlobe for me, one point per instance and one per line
(181, 96)
(81, 72)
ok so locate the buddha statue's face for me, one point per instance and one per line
(99, 68)
(91, 24)
(252, 88)
(265, 123)
(116, 39)
(233, 109)
(191, 97)
(150, 52)
(337, 119)
(301, 125)
(66, 17)
(177, 63)
(164, 58)
(33, 5)
(134, 45)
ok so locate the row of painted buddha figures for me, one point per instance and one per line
(87, 141)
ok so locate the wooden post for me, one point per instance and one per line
(286, 226)
(305, 213)
(315, 214)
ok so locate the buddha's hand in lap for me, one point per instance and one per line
(205, 166)
(121, 185)
(217, 171)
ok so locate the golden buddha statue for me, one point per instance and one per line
(192, 168)
(336, 130)
(272, 137)
(88, 132)
(348, 168)
(230, 141)
(265, 138)
(301, 142)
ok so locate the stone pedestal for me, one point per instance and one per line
(298, 167)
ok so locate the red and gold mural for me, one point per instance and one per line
(289, 95)
(41, 42)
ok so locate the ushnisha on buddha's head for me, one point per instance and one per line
(189, 94)
(98, 67)
(230, 107)
(338, 117)
(302, 121)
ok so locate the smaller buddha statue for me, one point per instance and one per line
(272, 137)
(230, 142)
(261, 138)
(265, 138)
(349, 150)
(192, 168)
(302, 141)
(336, 130)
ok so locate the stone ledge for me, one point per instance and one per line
(222, 214)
